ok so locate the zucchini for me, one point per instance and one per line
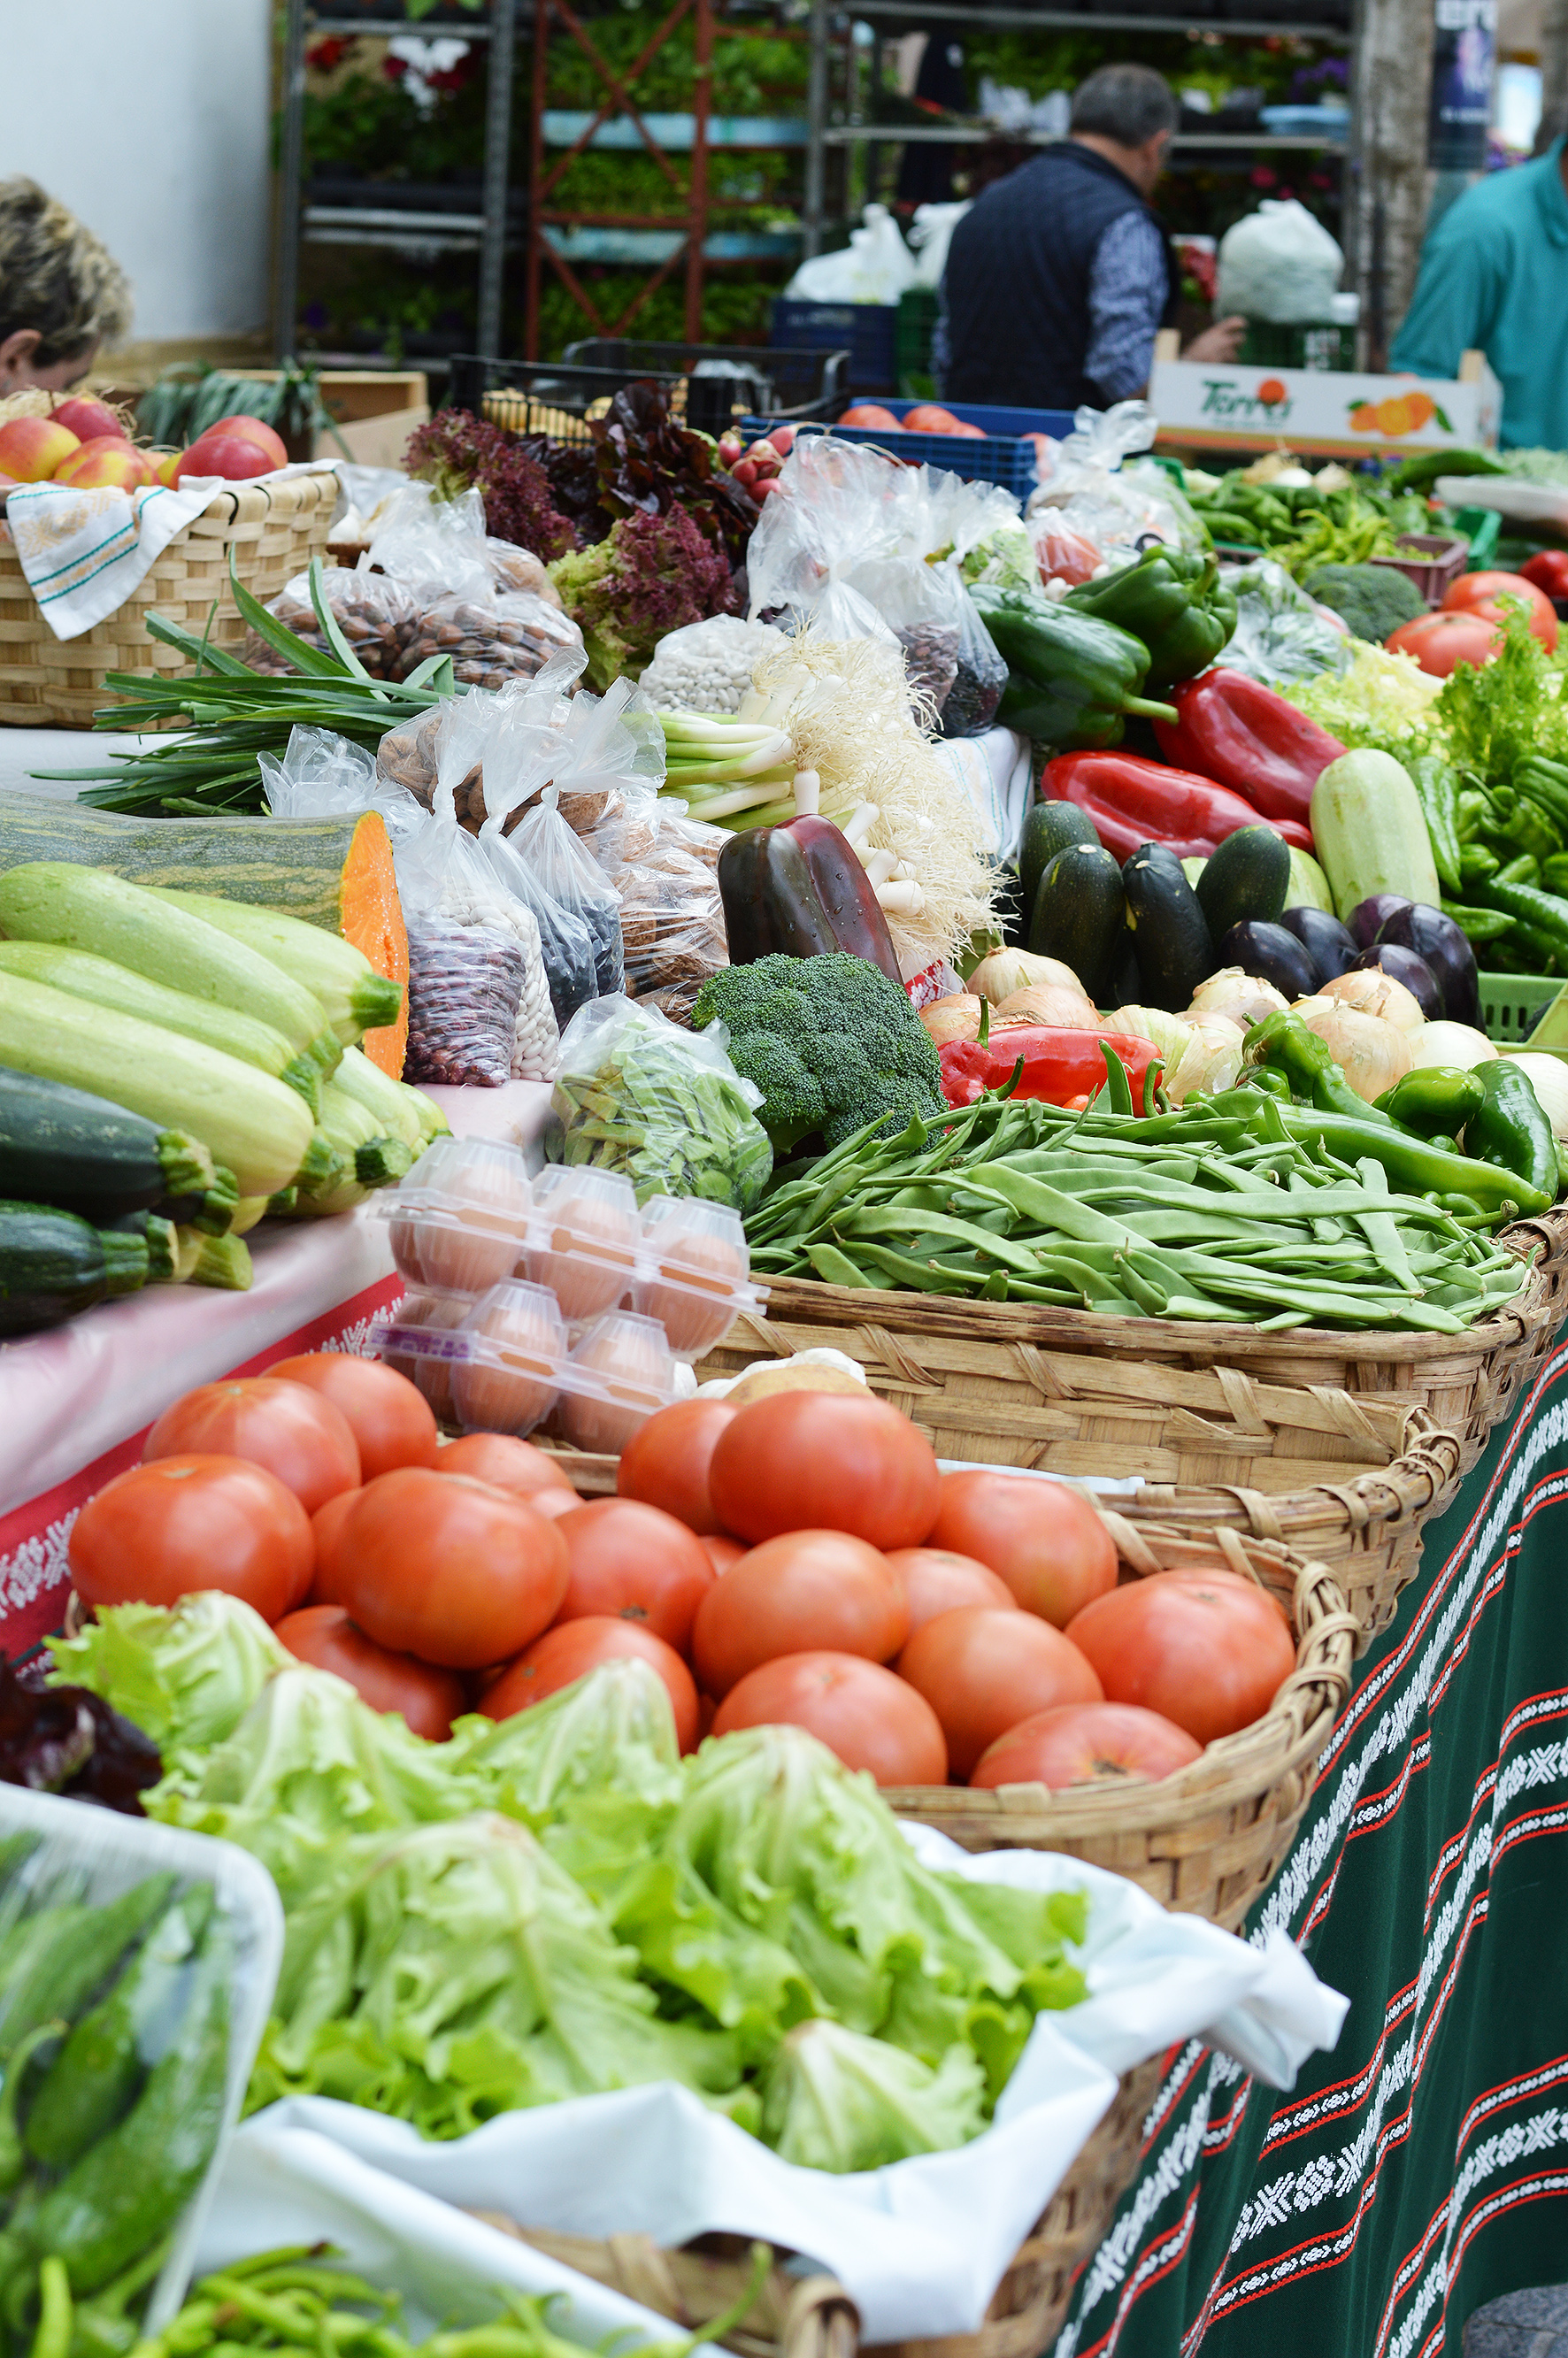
(1048, 828)
(169, 1258)
(1308, 887)
(1170, 932)
(99, 980)
(258, 1130)
(49, 900)
(88, 1155)
(369, 1157)
(53, 1265)
(1080, 917)
(221, 1261)
(1367, 828)
(341, 977)
(391, 1104)
(1244, 881)
(249, 1213)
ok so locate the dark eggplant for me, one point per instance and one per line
(1438, 940)
(1330, 945)
(1273, 955)
(1404, 965)
(1368, 915)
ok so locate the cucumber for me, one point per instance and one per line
(106, 984)
(250, 1123)
(1176, 948)
(1368, 830)
(1245, 881)
(356, 997)
(1048, 828)
(60, 1146)
(53, 1265)
(1080, 917)
(88, 909)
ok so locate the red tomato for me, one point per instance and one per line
(446, 1568)
(325, 1525)
(816, 1461)
(937, 1581)
(667, 1461)
(862, 1713)
(162, 1531)
(632, 1560)
(506, 1463)
(297, 1435)
(565, 1654)
(871, 416)
(930, 418)
(982, 1671)
(1045, 1540)
(808, 1592)
(428, 1698)
(553, 1504)
(1207, 1650)
(1439, 642)
(1548, 570)
(721, 1551)
(391, 1418)
(1085, 1744)
(1482, 593)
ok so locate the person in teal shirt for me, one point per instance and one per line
(1494, 276)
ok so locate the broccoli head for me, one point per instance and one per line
(831, 1043)
(1372, 599)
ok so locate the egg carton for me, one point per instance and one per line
(508, 1363)
(468, 1218)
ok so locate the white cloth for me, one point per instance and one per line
(84, 552)
(993, 774)
(922, 2245)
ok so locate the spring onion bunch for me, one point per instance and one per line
(721, 767)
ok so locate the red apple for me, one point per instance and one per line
(32, 447)
(250, 429)
(236, 460)
(166, 468)
(88, 419)
(108, 460)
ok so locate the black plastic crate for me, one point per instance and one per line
(554, 397)
(723, 379)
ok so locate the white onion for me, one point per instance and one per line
(1371, 1052)
(1450, 1043)
(1548, 1077)
(1374, 992)
(1244, 997)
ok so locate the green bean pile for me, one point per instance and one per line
(1210, 1211)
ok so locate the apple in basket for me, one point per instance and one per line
(108, 460)
(87, 420)
(32, 447)
(235, 448)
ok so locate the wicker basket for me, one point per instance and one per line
(813, 2317)
(272, 528)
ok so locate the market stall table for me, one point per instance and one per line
(1422, 2168)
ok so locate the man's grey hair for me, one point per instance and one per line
(1127, 103)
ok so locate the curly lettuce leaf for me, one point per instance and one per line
(836, 2100)
(186, 1675)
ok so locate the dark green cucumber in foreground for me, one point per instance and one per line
(1171, 933)
(1245, 881)
(1048, 828)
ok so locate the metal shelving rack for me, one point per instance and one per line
(823, 135)
(484, 233)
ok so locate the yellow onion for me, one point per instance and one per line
(957, 1018)
(1047, 1002)
(1005, 971)
(1370, 1052)
(1374, 992)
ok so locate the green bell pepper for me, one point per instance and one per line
(1435, 1101)
(1174, 603)
(1071, 677)
(1510, 1129)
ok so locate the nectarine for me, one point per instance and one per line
(32, 447)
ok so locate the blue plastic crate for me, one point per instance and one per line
(1000, 456)
(868, 331)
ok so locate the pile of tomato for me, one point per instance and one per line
(801, 1559)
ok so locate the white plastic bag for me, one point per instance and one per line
(875, 268)
(1106, 493)
(1279, 263)
(323, 776)
(931, 233)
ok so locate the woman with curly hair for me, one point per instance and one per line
(61, 292)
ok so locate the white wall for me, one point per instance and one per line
(149, 119)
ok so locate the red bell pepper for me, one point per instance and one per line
(1059, 1065)
(1242, 734)
(1549, 571)
(1132, 801)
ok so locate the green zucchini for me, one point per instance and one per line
(1308, 887)
(369, 1157)
(53, 1265)
(1170, 932)
(83, 976)
(1048, 828)
(357, 999)
(1080, 917)
(1368, 830)
(88, 909)
(250, 1123)
(59, 1145)
(221, 1261)
(1245, 879)
(391, 1105)
(167, 1255)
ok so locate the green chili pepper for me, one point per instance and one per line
(16, 2062)
(122, 2192)
(53, 2337)
(1528, 907)
(1437, 791)
(91, 2082)
(1071, 676)
(1474, 810)
(1174, 603)
(1476, 863)
(1284, 1042)
(1434, 1100)
(1416, 1163)
(64, 1953)
(1524, 869)
(1478, 924)
(1510, 1129)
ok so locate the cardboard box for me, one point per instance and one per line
(1336, 414)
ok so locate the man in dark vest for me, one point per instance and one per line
(1059, 276)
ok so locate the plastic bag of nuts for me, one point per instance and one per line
(510, 636)
(664, 868)
(378, 616)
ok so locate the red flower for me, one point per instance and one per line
(327, 54)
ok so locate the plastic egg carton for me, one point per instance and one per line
(507, 1363)
(468, 1218)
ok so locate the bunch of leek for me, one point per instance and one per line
(720, 767)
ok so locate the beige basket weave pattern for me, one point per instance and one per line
(274, 530)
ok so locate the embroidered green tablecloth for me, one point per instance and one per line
(1422, 2168)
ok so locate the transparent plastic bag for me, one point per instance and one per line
(876, 266)
(378, 617)
(1279, 263)
(634, 1093)
(322, 775)
(511, 568)
(574, 882)
(663, 869)
(492, 639)
(834, 514)
(520, 758)
(1105, 493)
(1281, 634)
(424, 541)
